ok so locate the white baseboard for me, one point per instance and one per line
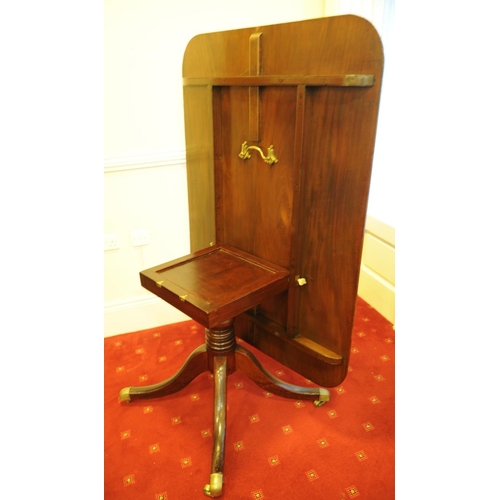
(376, 280)
(139, 314)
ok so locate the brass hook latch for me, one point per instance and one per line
(269, 159)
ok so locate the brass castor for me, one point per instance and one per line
(324, 396)
(317, 404)
(214, 489)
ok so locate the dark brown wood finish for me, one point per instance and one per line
(305, 213)
(276, 245)
(215, 284)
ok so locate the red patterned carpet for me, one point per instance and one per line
(276, 448)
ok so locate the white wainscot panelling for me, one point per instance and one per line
(143, 192)
(377, 276)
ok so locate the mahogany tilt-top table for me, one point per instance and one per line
(280, 126)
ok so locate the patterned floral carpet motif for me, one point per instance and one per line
(276, 448)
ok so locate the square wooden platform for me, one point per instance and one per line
(216, 283)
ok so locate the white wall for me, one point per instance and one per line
(144, 46)
(144, 174)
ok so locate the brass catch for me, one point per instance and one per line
(269, 159)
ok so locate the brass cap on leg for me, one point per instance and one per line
(125, 395)
(214, 489)
(324, 396)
